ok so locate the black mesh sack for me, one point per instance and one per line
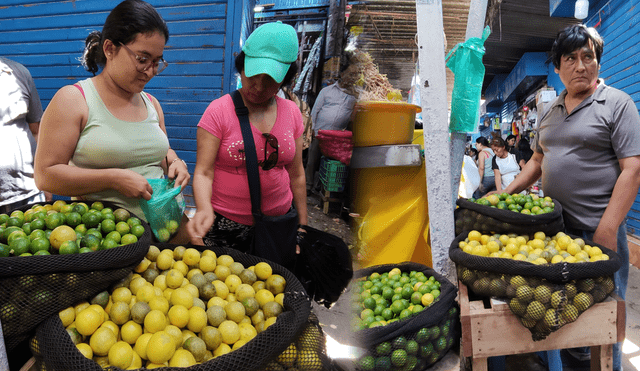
(54, 349)
(424, 337)
(543, 297)
(486, 219)
(33, 288)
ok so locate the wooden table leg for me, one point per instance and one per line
(479, 364)
(602, 357)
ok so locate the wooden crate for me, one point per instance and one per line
(496, 331)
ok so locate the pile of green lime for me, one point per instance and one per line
(525, 204)
(415, 351)
(382, 298)
(66, 228)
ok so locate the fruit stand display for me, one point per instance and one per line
(547, 279)
(405, 316)
(207, 309)
(54, 255)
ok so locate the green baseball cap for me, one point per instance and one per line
(270, 49)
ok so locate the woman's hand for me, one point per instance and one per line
(131, 184)
(200, 224)
(178, 170)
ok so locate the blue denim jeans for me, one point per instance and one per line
(621, 278)
(488, 185)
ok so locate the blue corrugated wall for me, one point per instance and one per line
(617, 22)
(47, 36)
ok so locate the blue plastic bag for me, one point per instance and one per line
(465, 61)
(165, 208)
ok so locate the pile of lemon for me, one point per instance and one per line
(180, 307)
(541, 249)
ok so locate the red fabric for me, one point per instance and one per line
(336, 144)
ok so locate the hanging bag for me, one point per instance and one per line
(165, 208)
(274, 236)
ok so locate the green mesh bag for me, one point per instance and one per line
(165, 208)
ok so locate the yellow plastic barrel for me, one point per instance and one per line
(378, 123)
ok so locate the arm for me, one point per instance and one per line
(498, 180)
(624, 193)
(529, 174)
(298, 183)
(481, 157)
(60, 130)
(177, 168)
(207, 152)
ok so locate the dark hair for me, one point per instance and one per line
(509, 137)
(524, 144)
(123, 24)
(288, 78)
(574, 37)
(498, 142)
(473, 152)
(483, 141)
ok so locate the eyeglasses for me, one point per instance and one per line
(271, 161)
(144, 63)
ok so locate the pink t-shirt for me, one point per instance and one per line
(230, 191)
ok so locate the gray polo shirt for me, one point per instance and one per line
(581, 152)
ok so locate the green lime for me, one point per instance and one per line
(397, 307)
(114, 236)
(441, 343)
(383, 348)
(5, 250)
(14, 222)
(376, 289)
(407, 291)
(128, 239)
(378, 309)
(107, 226)
(53, 220)
(81, 228)
(163, 235)
(39, 244)
(121, 215)
(42, 252)
(375, 324)
(423, 335)
(91, 219)
(68, 247)
(412, 347)
(383, 364)
(80, 208)
(73, 219)
(367, 363)
(18, 233)
(399, 357)
(435, 293)
(405, 313)
(84, 250)
(426, 351)
(97, 205)
(172, 226)
(3, 218)
(417, 308)
(137, 230)
(399, 343)
(134, 221)
(109, 244)
(387, 314)
(38, 224)
(122, 228)
(424, 288)
(369, 303)
(416, 297)
(90, 241)
(26, 227)
(20, 245)
(109, 216)
(95, 232)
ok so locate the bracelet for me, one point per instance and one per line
(176, 159)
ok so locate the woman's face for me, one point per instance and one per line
(499, 151)
(259, 89)
(129, 66)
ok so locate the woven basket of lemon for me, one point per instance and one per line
(53, 255)
(405, 316)
(186, 306)
(548, 281)
(505, 213)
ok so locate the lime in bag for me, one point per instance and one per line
(165, 208)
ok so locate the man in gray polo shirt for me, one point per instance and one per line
(587, 150)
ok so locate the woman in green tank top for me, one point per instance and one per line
(102, 138)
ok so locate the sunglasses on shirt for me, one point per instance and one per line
(270, 161)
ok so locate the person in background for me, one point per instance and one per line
(587, 151)
(504, 164)
(487, 177)
(221, 190)
(511, 143)
(20, 114)
(286, 93)
(473, 153)
(332, 110)
(102, 137)
(524, 147)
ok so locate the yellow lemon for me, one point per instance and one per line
(225, 260)
(81, 306)
(178, 252)
(155, 321)
(230, 332)
(207, 263)
(570, 259)
(130, 332)
(175, 333)
(136, 284)
(221, 350)
(102, 340)
(67, 316)
(120, 312)
(122, 294)
(151, 365)
(141, 345)
(247, 331)
(506, 255)
(474, 236)
(160, 303)
(222, 272)
(216, 300)
(235, 311)
(60, 234)
(221, 289)
(182, 358)
(165, 260)
(563, 241)
(88, 321)
(539, 236)
(113, 327)
(594, 251)
(160, 347)
(197, 319)
(121, 355)
(263, 270)
(269, 321)
(232, 281)
(193, 272)
(493, 246)
(160, 282)
(537, 244)
(182, 296)
(136, 363)
(244, 291)
(208, 253)
(142, 266)
(85, 349)
(178, 316)
(174, 278)
(238, 344)
(573, 248)
(264, 296)
(556, 259)
(193, 289)
(181, 266)
(191, 257)
(480, 250)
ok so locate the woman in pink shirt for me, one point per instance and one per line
(221, 190)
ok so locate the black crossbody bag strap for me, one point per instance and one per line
(253, 174)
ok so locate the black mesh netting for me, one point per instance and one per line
(33, 288)
(270, 349)
(472, 216)
(543, 297)
(418, 341)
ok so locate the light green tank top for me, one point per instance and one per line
(108, 142)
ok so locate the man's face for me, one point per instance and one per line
(579, 70)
